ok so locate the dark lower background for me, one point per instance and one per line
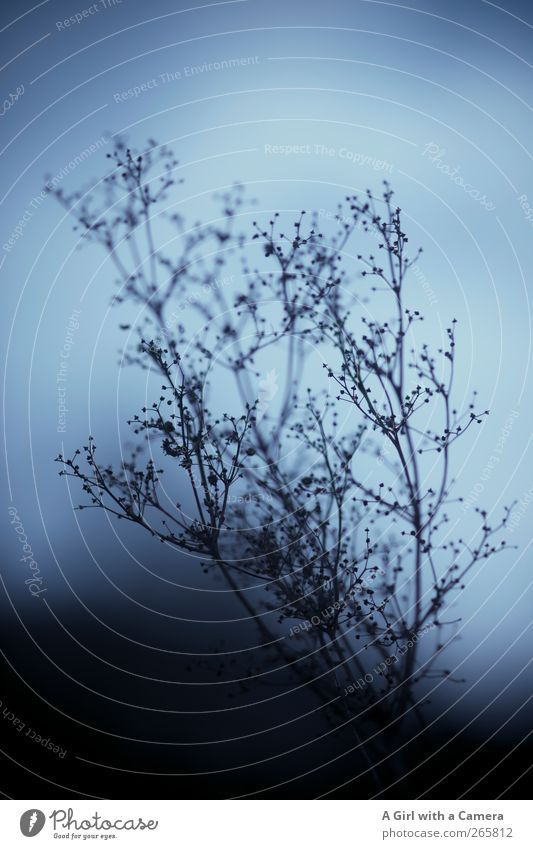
(303, 758)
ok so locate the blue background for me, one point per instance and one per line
(379, 79)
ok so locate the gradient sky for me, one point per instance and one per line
(369, 90)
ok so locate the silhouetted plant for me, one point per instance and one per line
(343, 526)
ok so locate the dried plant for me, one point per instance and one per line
(332, 502)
